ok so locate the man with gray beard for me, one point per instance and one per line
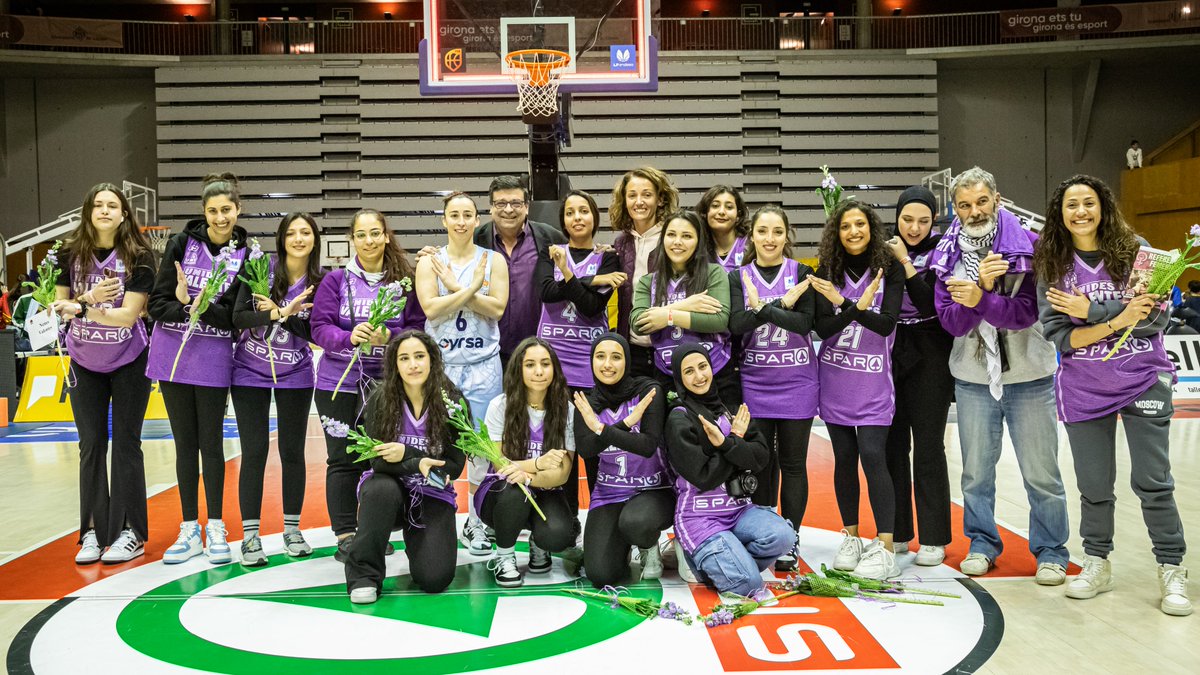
(1003, 373)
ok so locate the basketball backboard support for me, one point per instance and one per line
(609, 42)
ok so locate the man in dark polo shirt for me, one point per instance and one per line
(522, 242)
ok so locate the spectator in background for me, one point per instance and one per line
(1190, 308)
(5, 310)
(1133, 156)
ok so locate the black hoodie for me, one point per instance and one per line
(164, 306)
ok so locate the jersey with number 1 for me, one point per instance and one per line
(465, 336)
(855, 368)
(779, 371)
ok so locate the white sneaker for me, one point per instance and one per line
(504, 567)
(474, 537)
(294, 544)
(89, 550)
(975, 564)
(899, 547)
(849, 553)
(1172, 582)
(685, 570)
(1050, 574)
(652, 564)
(930, 556)
(364, 595)
(217, 551)
(186, 546)
(1095, 578)
(125, 548)
(877, 562)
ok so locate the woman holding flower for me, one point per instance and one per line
(619, 424)
(713, 452)
(272, 356)
(1083, 258)
(192, 357)
(686, 300)
(353, 349)
(411, 481)
(106, 274)
(463, 290)
(860, 288)
(533, 423)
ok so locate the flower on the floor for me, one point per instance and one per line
(620, 598)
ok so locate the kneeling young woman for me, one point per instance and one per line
(532, 422)
(411, 482)
(729, 539)
(632, 502)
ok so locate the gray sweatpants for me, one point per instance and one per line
(1147, 423)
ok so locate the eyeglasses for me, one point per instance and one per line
(514, 204)
(373, 234)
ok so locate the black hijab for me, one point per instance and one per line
(611, 396)
(921, 195)
(708, 405)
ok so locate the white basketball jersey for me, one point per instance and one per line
(464, 336)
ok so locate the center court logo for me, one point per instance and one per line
(295, 616)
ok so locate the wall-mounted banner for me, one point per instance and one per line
(1095, 19)
(47, 31)
(1184, 351)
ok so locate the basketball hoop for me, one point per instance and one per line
(158, 236)
(536, 73)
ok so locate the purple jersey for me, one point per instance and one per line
(292, 356)
(570, 332)
(1087, 386)
(733, 260)
(622, 474)
(779, 371)
(207, 360)
(700, 515)
(415, 434)
(533, 451)
(95, 346)
(666, 340)
(369, 364)
(908, 311)
(855, 369)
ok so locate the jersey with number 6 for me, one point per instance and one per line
(855, 369)
(779, 371)
(464, 336)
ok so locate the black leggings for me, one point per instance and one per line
(197, 416)
(252, 406)
(788, 441)
(613, 528)
(868, 443)
(431, 545)
(507, 511)
(341, 473)
(923, 396)
(90, 397)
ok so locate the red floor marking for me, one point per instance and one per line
(49, 572)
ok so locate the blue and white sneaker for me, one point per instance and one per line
(218, 551)
(186, 546)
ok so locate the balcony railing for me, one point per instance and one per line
(692, 34)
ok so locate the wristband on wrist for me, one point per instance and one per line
(83, 308)
(1110, 326)
(528, 480)
(905, 260)
(670, 319)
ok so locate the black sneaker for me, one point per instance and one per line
(505, 568)
(788, 562)
(343, 549)
(539, 559)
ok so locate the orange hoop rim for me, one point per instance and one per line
(152, 228)
(540, 72)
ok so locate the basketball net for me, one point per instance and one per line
(158, 236)
(536, 73)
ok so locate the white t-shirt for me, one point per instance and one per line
(495, 421)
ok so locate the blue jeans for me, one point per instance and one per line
(1028, 408)
(734, 560)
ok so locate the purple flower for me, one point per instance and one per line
(335, 428)
(1195, 231)
(256, 251)
(828, 183)
(225, 254)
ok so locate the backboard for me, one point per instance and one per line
(609, 42)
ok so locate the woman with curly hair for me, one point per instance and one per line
(533, 423)
(411, 482)
(640, 202)
(1083, 260)
(727, 225)
(860, 289)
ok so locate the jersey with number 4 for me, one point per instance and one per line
(572, 333)
(779, 371)
(464, 336)
(855, 368)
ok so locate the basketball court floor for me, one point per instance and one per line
(295, 616)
